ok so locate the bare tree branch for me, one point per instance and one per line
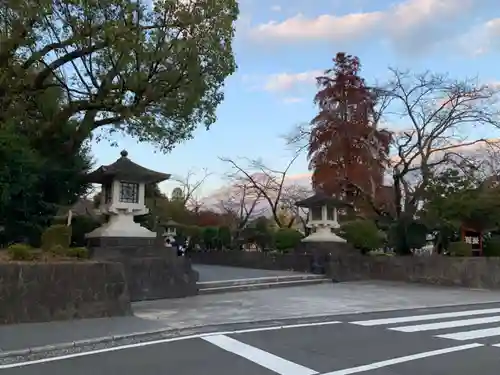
(292, 193)
(190, 185)
(297, 139)
(241, 202)
(441, 114)
(269, 183)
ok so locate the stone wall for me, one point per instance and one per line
(39, 292)
(256, 259)
(129, 247)
(307, 257)
(474, 272)
(152, 271)
(152, 278)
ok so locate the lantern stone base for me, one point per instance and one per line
(121, 226)
(323, 234)
(109, 248)
(322, 253)
(152, 271)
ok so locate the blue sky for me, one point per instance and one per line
(281, 45)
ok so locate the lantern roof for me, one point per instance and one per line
(125, 169)
(170, 223)
(320, 198)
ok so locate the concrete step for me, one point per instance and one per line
(225, 286)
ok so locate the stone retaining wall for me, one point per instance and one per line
(152, 271)
(39, 292)
(474, 272)
(346, 264)
(256, 259)
(306, 257)
(157, 278)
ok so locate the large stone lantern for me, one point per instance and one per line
(123, 197)
(323, 217)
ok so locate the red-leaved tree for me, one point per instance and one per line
(347, 153)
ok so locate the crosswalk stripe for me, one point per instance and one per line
(408, 358)
(471, 335)
(416, 318)
(448, 324)
(265, 359)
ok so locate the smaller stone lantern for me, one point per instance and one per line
(323, 217)
(170, 232)
(123, 197)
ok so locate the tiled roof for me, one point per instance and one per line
(125, 169)
(320, 198)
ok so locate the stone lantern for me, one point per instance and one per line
(123, 197)
(323, 217)
(170, 233)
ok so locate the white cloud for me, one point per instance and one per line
(482, 38)
(288, 81)
(276, 8)
(322, 27)
(411, 20)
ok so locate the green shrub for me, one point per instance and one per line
(460, 249)
(80, 226)
(491, 247)
(224, 236)
(54, 235)
(363, 235)
(209, 237)
(287, 238)
(21, 251)
(194, 233)
(406, 234)
(58, 249)
(78, 252)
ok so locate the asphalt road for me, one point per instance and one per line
(457, 340)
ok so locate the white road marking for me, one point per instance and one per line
(448, 324)
(264, 359)
(416, 318)
(408, 358)
(471, 335)
(157, 342)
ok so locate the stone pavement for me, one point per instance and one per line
(308, 301)
(371, 343)
(264, 305)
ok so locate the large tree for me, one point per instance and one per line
(347, 151)
(459, 197)
(455, 198)
(437, 117)
(36, 182)
(442, 116)
(18, 182)
(38, 176)
(154, 70)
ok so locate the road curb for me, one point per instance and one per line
(83, 343)
(152, 335)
